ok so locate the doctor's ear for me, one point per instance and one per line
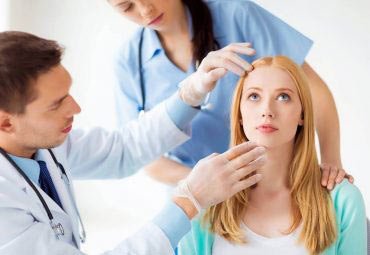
(5, 122)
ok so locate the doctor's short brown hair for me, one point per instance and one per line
(23, 58)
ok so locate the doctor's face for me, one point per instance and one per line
(48, 119)
(154, 14)
(270, 107)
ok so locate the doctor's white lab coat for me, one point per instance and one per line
(96, 154)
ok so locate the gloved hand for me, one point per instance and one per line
(220, 176)
(214, 66)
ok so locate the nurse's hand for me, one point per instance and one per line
(213, 67)
(220, 176)
(333, 175)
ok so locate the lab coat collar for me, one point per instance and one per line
(8, 172)
(29, 166)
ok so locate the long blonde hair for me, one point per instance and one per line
(312, 204)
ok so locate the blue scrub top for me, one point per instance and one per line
(233, 21)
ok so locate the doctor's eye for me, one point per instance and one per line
(254, 97)
(283, 97)
(55, 107)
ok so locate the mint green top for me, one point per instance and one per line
(350, 217)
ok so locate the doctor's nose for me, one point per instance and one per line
(74, 108)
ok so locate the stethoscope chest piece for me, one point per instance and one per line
(58, 229)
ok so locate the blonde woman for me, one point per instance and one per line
(288, 211)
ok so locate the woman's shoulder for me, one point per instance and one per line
(199, 226)
(225, 6)
(346, 196)
(351, 220)
(230, 3)
(128, 48)
(199, 240)
(345, 189)
(231, 18)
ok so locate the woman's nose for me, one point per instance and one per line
(267, 115)
(267, 110)
(146, 8)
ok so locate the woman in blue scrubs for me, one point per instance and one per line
(174, 35)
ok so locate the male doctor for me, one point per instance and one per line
(40, 154)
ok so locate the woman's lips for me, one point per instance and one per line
(267, 129)
(156, 20)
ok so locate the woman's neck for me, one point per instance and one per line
(179, 26)
(275, 171)
(269, 210)
(177, 43)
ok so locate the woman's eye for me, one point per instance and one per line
(253, 97)
(284, 97)
(125, 7)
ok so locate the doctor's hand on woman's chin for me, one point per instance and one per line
(213, 67)
(219, 177)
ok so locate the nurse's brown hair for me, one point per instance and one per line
(203, 37)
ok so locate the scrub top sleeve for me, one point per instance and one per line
(173, 222)
(180, 113)
(270, 36)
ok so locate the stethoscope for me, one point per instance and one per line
(57, 228)
(141, 108)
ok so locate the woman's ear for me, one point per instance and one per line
(300, 122)
(5, 122)
(241, 122)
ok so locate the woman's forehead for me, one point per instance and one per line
(269, 77)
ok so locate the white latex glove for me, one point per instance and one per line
(219, 176)
(213, 67)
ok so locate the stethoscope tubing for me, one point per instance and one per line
(29, 182)
(141, 78)
(56, 228)
(141, 108)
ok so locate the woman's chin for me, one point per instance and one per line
(265, 142)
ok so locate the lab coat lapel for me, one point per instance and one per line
(63, 193)
(10, 173)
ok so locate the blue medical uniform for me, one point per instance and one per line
(233, 21)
